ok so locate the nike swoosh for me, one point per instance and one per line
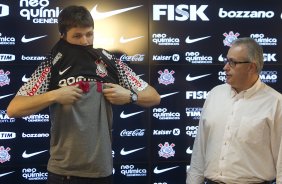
(25, 155)
(169, 94)
(140, 75)
(26, 40)
(4, 174)
(62, 72)
(220, 58)
(4, 96)
(24, 79)
(122, 152)
(189, 151)
(102, 15)
(188, 78)
(188, 40)
(126, 40)
(122, 115)
(158, 171)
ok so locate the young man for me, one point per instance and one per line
(79, 84)
(239, 134)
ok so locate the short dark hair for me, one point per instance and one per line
(74, 16)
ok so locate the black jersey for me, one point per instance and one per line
(68, 64)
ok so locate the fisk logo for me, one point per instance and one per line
(4, 10)
(180, 12)
(196, 94)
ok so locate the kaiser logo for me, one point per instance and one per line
(4, 10)
(229, 38)
(166, 77)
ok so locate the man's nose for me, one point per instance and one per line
(226, 67)
(84, 41)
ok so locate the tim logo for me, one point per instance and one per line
(4, 10)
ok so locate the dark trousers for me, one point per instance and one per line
(59, 179)
(207, 181)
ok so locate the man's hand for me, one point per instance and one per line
(116, 94)
(67, 95)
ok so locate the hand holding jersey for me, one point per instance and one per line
(116, 94)
(67, 95)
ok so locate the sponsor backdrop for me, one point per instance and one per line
(177, 46)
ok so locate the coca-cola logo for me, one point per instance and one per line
(136, 57)
(136, 132)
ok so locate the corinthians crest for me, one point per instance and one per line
(4, 79)
(166, 150)
(101, 68)
(4, 155)
(229, 38)
(166, 77)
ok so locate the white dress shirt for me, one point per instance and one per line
(239, 135)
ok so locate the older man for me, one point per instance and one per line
(239, 135)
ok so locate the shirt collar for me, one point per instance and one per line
(248, 92)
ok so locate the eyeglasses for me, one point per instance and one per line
(233, 63)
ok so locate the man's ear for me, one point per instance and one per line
(253, 67)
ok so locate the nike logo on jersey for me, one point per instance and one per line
(62, 72)
(26, 40)
(102, 15)
(122, 152)
(4, 96)
(158, 171)
(4, 174)
(122, 115)
(126, 40)
(188, 40)
(188, 78)
(168, 94)
(28, 155)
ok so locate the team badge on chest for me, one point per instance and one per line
(101, 68)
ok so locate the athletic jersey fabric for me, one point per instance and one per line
(80, 142)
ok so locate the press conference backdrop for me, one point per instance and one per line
(177, 46)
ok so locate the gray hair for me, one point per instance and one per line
(255, 51)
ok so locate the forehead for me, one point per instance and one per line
(80, 30)
(237, 51)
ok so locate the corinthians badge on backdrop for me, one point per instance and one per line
(166, 150)
(4, 155)
(166, 77)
